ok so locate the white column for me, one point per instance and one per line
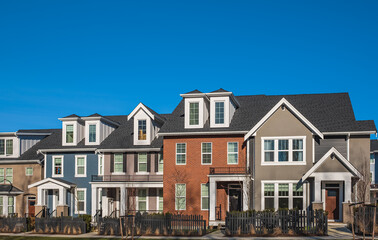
(348, 190)
(5, 205)
(122, 207)
(93, 200)
(245, 194)
(39, 196)
(62, 196)
(104, 202)
(213, 198)
(318, 190)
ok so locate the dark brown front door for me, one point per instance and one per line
(235, 200)
(31, 207)
(332, 203)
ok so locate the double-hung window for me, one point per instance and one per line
(100, 164)
(81, 166)
(180, 153)
(142, 162)
(142, 199)
(69, 133)
(219, 112)
(180, 196)
(204, 196)
(57, 166)
(160, 162)
(142, 129)
(92, 133)
(81, 200)
(283, 195)
(284, 150)
(29, 171)
(297, 197)
(10, 204)
(206, 153)
(269, 195)
(118, 163)
(194, 113)
(6, 147)
(9, 175)
(232, 153)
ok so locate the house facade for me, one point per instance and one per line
(373, 171)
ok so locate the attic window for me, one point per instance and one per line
(142, 130)
(69, 133)
(92, 133)
(194, 113)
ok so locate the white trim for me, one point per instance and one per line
(15, 147)
(114, 164)
(290, 151)
(128, 184)
(200, 102)
(102, 119)
(46, 180)
(237, 157)
(67, 150)
(137, 198)
(100, 163)
(53, 166)
(348, 147)
(373, 158)
(181, 154)
(283, 101)
(276, 197)
(20, 161)
(211, 154)
(97, 124)
(26, 171)
(158, 199)
(31, 134)
(142, 172)
(349, 133)
(85, 166)
(85, 201)
(208, 195)
(313, 149)
(141, 106)
(339, 157)
(64, 133)
(201, 133)
(226, 111)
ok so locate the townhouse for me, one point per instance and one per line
(225, 153)
(373, 171)
(216, 152)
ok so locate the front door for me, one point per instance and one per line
(332, 203)
(235, 200)
(31, 206)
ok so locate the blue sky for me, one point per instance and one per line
(64, 57)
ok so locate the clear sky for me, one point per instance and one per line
(84, 57)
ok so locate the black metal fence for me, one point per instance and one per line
(364, 220)
(155, 224)
(279, 223)
(64, 225)
(13, 225)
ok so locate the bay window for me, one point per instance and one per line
(283, 150)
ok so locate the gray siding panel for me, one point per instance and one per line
(26, 142)
(322, 146)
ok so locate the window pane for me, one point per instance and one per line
(161, 163)
(142, 130)
(206, 147)
(142, 167)
(269, 203)
(372, 160)
(204, 190)
(233, 147)
(92, 133)
(80, 170)
(297, 156)
(219, 112)
(233, 158)
(283, 156)
(69, 133)
(298, 203)
(181, 148)
(283, 203)
(81, 206)
(142, 194)
(80, 195)
(142, 206)
(80, 161)
(269, 189)
(205, 203)
(194, 113)
(297, 144)
(268, 144)
(269, 157)
(142, 157)
(181, 159)
(297, 191)
(9, 149)
(283, 189)
(180, 190)
(206, 158)
(118, 158)
(283, 144)
(1, 175)
(2, 147)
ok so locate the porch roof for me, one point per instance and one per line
(57, 181)
(9, 190)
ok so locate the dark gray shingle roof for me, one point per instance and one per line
(373, 145)
(220, 90)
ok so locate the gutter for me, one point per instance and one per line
(129, 150)
(200, 133)
(19, 161)
(67, 150)
(349, 133)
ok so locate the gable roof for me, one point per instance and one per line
(341, 158)
(57, 181)
(220, 90)
(194, 91)
(151, 113)
(331, 112)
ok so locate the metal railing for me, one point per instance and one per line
(127, 178)
(218, 212)
(229, 170)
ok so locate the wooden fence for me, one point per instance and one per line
(281, 222)
(154, 224)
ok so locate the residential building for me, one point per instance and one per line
(20, 165)
(374, 171)
(224, 153)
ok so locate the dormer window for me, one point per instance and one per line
(69, 133)
(194, 113)
(219, 112)
(142, 129)
(6, 147)
(92, 133)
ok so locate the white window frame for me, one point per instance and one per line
(143, 172)
(14, 204)
(145, 120)
(227, 111)
(26, 171)
(160, 158)
(237, 153)
(85, 165)
(114, 164)
(100, 165)
(208, 197)
(85, 201)
(276, 197)
(14, 149)
(200, 102)
(53, 166)
(64, 133)
(87, 124)
(181, 154)
(137, 199)
(181, 197)
(211, 154)
(290, 159)
(158, 190)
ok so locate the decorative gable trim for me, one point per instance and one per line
(341, 158)
(148, 112)
(47, 180)
(287, 104)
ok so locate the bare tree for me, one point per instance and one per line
(179, 177)
(363, 185)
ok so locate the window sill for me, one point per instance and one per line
(80, 176)
(142, 173)
(159, 173)
(60, 176)
(118, 173)
(206, 163)
(282, 163)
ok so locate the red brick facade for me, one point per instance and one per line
(193, 174)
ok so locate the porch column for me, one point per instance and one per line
(39, 196)
(348, 190)
(318, 190)
(62, 196)
(213, 198)
(104, 201)
(245, 195)
(122, 200)
(94, 200)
